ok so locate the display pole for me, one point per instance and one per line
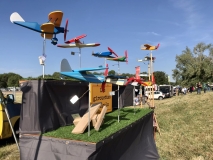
(44, 47)
(80, 56)
(89, 111)
(141, 96)
(134, 98)
(11, 126)
(118, 106)
(152, 79)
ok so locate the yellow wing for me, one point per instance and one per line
(56, 17)
(47, 28)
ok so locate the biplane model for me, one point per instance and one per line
(77, 43)
(82, 74)
(149, 47)
(48, 30)
(105, 54)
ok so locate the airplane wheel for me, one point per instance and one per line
(54, 43)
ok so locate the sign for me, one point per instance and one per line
(96, 95)
(149, 83)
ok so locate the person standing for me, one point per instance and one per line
(199, 86)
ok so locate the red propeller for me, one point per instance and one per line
(65, 30)
(75, 39)
(126, 55)
(112, 52)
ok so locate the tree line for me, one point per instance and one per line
(12, 79)
(193, 66)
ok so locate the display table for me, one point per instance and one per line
(134, 142)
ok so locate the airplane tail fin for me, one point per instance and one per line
(137, 72)
(158, 46)
(65, 66)
(106, 71)
(16, 17)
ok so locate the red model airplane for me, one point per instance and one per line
(137, 78)
(77, 43)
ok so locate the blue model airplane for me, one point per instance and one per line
(82, 74)
(105, 54)
(48, 30)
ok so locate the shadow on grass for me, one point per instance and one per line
(7, 141)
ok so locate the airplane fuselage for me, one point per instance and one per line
(83, 76)
(37, 27)
(103, 55)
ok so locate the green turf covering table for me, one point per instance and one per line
(131, 138)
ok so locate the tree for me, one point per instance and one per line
(194, 66)
(11, 79)
(111, 72)
(3, 84)
(160, 77)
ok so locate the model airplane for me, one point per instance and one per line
(77, 43)
(120, 59)
(147, 58)
(105, 54)
(48, 30)
(149, 47)
(82, 74)
(137, 78)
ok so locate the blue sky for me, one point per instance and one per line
(118, 24)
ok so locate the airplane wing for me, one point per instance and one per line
(76, 39)
(90, 69)
(79, 45)
(67, 45)
(147, 45)
(18, 20)
(120, 59)
(55, 17)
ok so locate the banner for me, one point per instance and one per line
(96, 95)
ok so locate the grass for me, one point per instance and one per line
(185, 123)
(126, 118)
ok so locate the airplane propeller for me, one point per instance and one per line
(55, 40)
(65, 30)
(126, 55)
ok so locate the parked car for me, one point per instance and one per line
(157, 95)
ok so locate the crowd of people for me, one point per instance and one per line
(198, 87)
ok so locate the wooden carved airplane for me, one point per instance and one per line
(77, 43)
(82, 74)
(82, 122)
(120, 59)
(49, 29)
(149, 47)
(105, 54)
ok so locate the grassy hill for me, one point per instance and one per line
(185, 122)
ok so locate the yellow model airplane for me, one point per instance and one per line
(149, 47)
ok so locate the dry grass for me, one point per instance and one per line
(186, 124)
